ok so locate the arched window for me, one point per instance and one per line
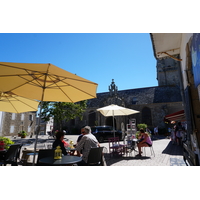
(92, 118)
(134, 100)
(109, 122)
(146, 116)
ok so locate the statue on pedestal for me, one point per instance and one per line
(113, 88)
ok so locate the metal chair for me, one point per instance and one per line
(95, 157)
(12, 155)
(115, 148)
(151, 149)
(43, 153)
(25, 158)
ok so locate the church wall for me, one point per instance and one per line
(167, 72)
(160, 100)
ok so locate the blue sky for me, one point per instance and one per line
(99, 57)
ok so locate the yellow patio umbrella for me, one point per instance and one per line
(16, 104)
(44, 82)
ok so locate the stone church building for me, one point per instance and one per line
(154, 103)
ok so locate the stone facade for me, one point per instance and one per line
(12, 123)
(167, 72)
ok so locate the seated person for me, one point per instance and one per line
(144, 141)
(85, 144)
(79, 137)
(59, 142)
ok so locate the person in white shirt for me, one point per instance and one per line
(156, 130)
(85, 144)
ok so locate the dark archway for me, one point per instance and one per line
(92, 118)
(109, 121)
(146, 116)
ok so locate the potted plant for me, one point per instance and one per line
(143, 126)
(6, 141)
(22, 134)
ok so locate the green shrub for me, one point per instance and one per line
(144, 126)
(22, 133)
(7, 142)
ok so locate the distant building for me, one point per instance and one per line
(45, 127)
(154, 103)
(12, 123)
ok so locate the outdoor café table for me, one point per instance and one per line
(71, 151)
(32, 154)
(65, 160)
(131, 144)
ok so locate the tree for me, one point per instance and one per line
(62, 111)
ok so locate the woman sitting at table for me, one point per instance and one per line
(144, 141)
(59, 142)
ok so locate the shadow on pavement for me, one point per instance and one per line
(173, 149)
(110, 160)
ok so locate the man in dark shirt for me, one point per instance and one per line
(58, 142)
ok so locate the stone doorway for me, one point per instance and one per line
(109, 122)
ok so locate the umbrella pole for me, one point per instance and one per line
(113, 124)
(37, 132)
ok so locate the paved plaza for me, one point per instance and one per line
(166, 153)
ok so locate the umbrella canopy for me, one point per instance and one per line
(115, 110)
(44, 82)
(177, 116)
(16, 104)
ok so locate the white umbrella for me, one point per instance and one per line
(115, 110)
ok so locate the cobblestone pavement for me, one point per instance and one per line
(166, 153)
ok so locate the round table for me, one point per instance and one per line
(65, 160)
(32, 154)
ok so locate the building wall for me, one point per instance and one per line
(167, 72)
(183, 55)
(159, 101)
(18, 123)
(192, 100)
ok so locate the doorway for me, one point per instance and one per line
(109, 122)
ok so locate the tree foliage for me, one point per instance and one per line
(62, 111)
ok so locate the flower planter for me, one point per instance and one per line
(23, 136)
(2, 145)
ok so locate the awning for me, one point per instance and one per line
(166, 44)
(177, 116)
